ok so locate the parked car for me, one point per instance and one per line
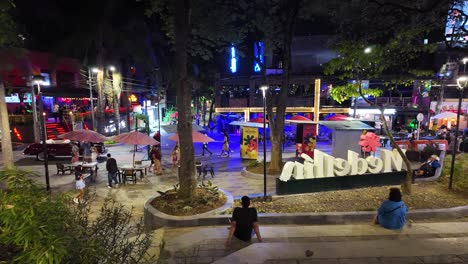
(58, 148)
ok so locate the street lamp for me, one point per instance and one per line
(264, 88)
(38, 80)
(461, 84)
(368, 50)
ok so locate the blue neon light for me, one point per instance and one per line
(259, 50)
(233, 60)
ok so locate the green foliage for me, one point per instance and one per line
(48, 228)
(210, 187)
(31, 220)
(169, 111)
(209, 33)
(8, 35)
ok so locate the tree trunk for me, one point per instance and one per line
(184, 97)
(117, 112)
(210, 116)
(407, 183)
(204, 112)
(101, 101)
(277, 124)
(7, 148)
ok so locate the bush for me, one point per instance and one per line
(38, 227)
(460, 177)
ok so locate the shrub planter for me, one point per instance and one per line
(257, 176)
(154, 218)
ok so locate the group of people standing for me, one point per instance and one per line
(90, 152)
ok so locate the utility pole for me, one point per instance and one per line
(91, 99)
(38, 80)
(37, 134)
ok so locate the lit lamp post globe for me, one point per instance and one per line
(462, 82)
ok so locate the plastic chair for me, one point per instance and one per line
(129, 175)
(62, 168)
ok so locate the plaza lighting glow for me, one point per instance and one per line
(368, 50)
(263, 88)
(112, 68)
(372, 111)
(462, 82)
(95, 70)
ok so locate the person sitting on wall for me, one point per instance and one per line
(392, 212)
(244, 223)
(428, 168)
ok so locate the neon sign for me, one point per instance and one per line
(233, 60)
(259, 50)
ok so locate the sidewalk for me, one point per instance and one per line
(364, 243)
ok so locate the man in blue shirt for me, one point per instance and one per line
(392, 212)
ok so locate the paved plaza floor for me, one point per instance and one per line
(364, 243)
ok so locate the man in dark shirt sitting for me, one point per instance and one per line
(243, 221)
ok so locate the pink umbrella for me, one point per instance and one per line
(84, 135)
(337, 117)
(196, 137)
(135, 138)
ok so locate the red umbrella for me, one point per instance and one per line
(196, 137)
(174, 115)
(258, 120)
(135, 138)
(337, 117)
(299, 118)
(84, 135)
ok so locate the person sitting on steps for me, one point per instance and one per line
(392, 212)
(244, 223)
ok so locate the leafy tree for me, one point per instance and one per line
(195, 29)
(389, 47)
(7, 37)
(274, 23)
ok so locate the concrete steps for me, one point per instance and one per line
(54, 130)
(361, 243)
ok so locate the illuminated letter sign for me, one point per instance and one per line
(325, 165)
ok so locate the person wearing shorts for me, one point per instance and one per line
(79, 184)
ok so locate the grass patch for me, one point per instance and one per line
(426, 195)
(207, 198)
(460, 173)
